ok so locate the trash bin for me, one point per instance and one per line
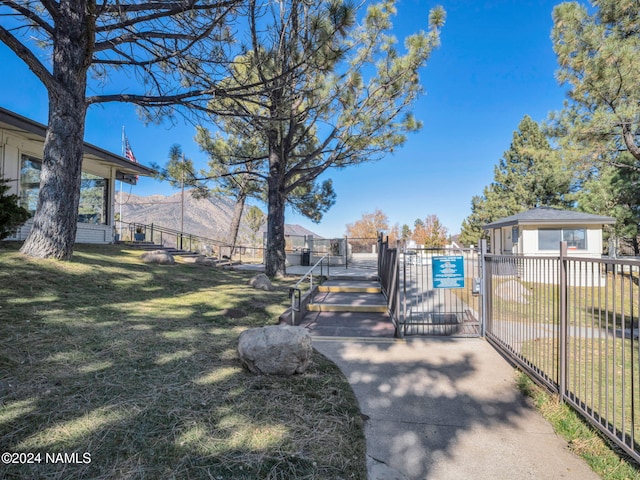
(305, 259)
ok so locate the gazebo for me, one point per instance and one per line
(540, 230)
(529, 236)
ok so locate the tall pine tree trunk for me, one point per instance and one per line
(234, 228)
(55, 221)
(275, 256)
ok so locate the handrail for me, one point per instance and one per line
(296, 292)
(183, 240)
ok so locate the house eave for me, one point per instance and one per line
(126, 170)
(548, 222)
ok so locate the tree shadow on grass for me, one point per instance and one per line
(146, 379)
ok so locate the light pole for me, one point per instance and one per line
(182, 201)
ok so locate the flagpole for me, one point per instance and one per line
(121, 195)
(182, 197)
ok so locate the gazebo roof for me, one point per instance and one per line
(550, 216)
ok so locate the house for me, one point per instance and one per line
(538, 233)
(21, 150)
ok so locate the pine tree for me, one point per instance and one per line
(529, 175)
(81, 51)
(597, 50)
(326, 92)
(12, 215)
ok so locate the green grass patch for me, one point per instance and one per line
(136, 365)
(614, 302)
(601, 374)
(583, 440)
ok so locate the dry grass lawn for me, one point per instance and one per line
(132, 371)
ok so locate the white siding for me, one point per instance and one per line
(10, 165)
(94, 233)
(529, 242)
(507, 241)
(579, 274)
(86, 233)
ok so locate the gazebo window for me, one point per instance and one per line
(549, 239)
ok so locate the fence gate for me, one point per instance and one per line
(362, 253)
(439, 292)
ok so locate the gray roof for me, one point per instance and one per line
(125, 169)
(550, 216)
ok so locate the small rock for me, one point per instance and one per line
(160, 257)
(261, 281)
(207, 261)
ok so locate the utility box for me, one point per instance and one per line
(476, 288)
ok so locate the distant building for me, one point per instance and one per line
(21, 147)
(539, 231)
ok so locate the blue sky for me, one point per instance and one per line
(495, 65)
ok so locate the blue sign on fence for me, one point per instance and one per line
(448, 272)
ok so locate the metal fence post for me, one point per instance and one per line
(482, 247)
(398, 310)
(562, 378)
(346, 252)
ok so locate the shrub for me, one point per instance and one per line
(12, 215)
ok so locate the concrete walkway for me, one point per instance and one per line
(447, 408)
(438, 408)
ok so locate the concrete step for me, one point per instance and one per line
(321, 307)
(193, 258)
(363, 298)
(349, 307)
(143, 245)
(324, 289)
(350, 286)
(173, 251)
(348, 324)
(352, 298)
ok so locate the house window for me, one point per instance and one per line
(549, 239)
(29, 183)
(575, 238)
(515, 233)
(93, 200)
(93, 192)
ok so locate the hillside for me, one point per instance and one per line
(208, 217)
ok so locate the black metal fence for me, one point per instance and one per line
(422, 302)
(572, 323)
(167, 237)
(438, 291)
(388, 273)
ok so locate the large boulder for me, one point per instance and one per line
(161, 257)
(275, 349)
(262, 282)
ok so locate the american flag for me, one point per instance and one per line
(128, 153)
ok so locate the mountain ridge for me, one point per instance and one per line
(206, 217)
